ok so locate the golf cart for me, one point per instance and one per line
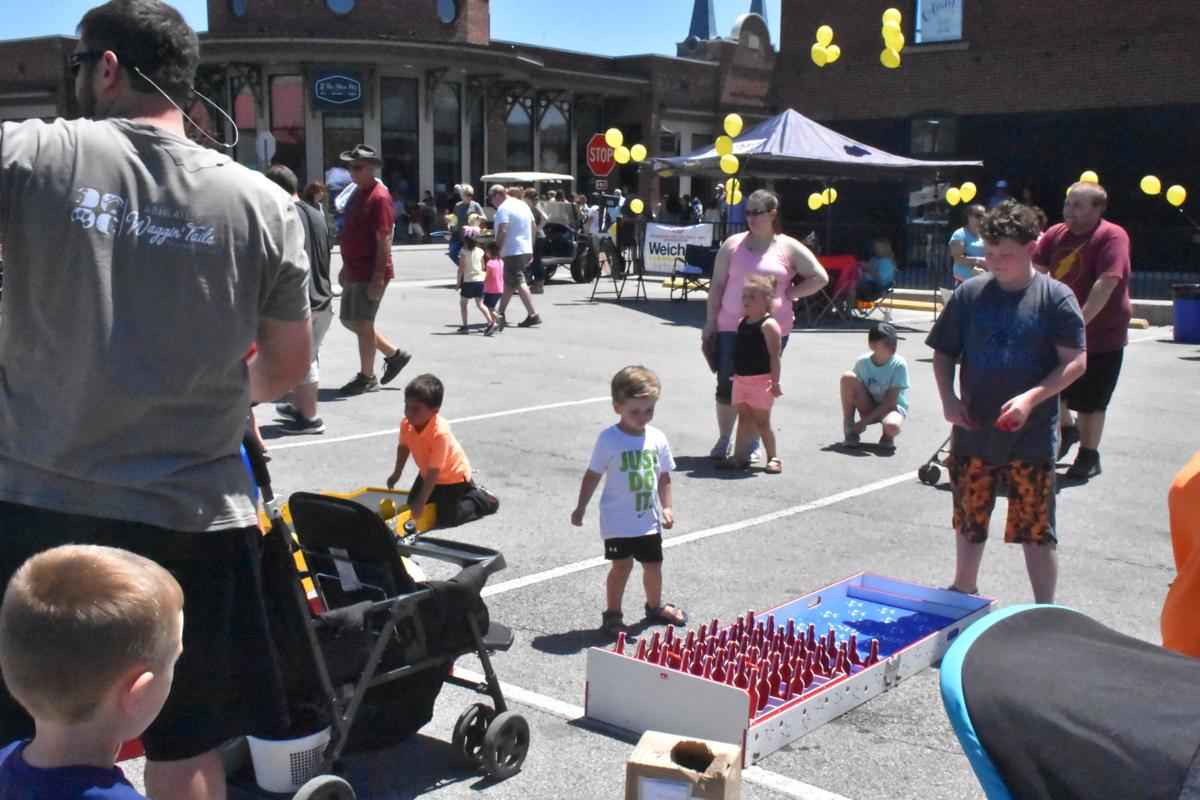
(566, 242)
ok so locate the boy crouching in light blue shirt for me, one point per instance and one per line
(874, 390)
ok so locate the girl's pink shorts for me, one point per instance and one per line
(754, 391)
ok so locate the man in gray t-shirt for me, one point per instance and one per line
(140, 271)
(1016, 338)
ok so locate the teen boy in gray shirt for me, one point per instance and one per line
(1019, 338)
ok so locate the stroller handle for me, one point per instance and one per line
(258, 465)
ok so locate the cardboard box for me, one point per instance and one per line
(668, 767)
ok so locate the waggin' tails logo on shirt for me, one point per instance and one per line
(110, 215)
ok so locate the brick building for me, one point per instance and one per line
(307, 79)
(1040, 91)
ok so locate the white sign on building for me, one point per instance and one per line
(939, 21)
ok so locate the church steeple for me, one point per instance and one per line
(759, 7)
(704, 21)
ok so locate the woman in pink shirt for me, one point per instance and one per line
(762, 250)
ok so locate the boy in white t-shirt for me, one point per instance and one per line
(875, 389)
(637, 461)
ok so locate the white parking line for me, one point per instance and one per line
(676, 541)
(573, 713)
(459, 420)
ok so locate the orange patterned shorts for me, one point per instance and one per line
(1031, 499)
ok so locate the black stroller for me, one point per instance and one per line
(366, 650)
(1049, 704)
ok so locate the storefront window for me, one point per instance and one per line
(934, 136)
(287, 122)
(245, 116)
(520, 137)
(342, 132)
(447, 139)
(555, 139)
(478, 139)
(399, 111)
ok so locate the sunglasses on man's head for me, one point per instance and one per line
(77, 60)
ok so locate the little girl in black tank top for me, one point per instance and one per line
(756, 369)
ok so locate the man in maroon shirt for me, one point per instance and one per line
(1090, 255)
(366, 269)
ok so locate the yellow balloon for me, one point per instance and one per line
(733, 186)
(613, 138)
(1176, 195)
(1151, 185)
(1089, 176)
(729, 164)
(892, 15)
(832, 53)
(636, 205)
(815, 201)
(890, 27)
(953, 195)
(824, 35)
(829, 196)
(621, 154)
(967, 191)
(733, 125)
(724, 145)
(820, 56)
(890, 58)
(894, 40)
(666, 173)
(735, 199)
(638, 152)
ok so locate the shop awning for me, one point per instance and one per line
(790, 145)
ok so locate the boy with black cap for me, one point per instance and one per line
(875, 389)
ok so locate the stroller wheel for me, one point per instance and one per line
(505, 746)
(325, 787)
(930, 474)
(467, 742)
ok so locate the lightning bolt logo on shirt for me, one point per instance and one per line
(1065, 265)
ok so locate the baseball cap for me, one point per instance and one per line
(884, 331)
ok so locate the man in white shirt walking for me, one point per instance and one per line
(514, 238)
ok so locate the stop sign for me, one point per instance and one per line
(599, 156)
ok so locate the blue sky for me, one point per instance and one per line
(615, 27)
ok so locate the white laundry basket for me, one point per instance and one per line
(286, 765)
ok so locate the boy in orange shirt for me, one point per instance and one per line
(444, 474)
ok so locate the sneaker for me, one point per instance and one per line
(360, 385)
(501, 322)
(720, 450)
(1087, 464)
(461, 329)
(887, 443)
(756, 452)
(287, 411)
(1068, 436)
(490, 329)
(392, 366)
(530, 321)
(301, 425)
(850, 438)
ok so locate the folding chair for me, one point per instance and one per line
(864, 307)
(833, 297)
(694, 271)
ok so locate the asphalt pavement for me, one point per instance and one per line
(527, 405)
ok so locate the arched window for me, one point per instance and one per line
(520, 137)
(555, 138)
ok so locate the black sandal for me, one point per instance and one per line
(612, 623)
(661, 616)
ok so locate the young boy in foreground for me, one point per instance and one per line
(444, 474)
(636, 503)
(89, 637)
(1019, 336)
